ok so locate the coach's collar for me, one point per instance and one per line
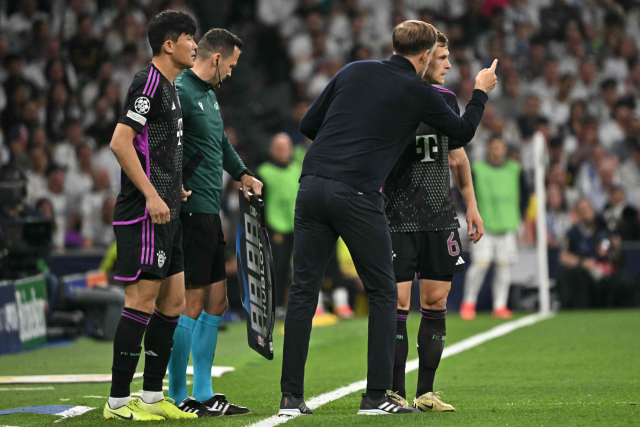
(205, 84)
(402, 62)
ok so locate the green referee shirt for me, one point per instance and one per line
(207, 150)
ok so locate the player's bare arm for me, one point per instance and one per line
(125, 152)
(461, 171)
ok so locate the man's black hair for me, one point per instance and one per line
(218, 40)
(608, 84)
(538, 40)
(169, 25)
(53, 167)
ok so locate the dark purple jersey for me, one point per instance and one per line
(153, 110)
(418, 187)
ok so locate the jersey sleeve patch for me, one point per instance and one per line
(137, 117)
(140, 105)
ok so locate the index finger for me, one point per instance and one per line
(494, 65)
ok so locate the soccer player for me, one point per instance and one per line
(424, 237)
(148, 145)
(207, 152)
(502, 195)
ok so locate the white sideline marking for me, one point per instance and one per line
(412, 365)
(25, 388)
(73, 412)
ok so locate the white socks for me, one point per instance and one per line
(150, 397)
(500, 285)
(473, 282)
(340, 297)
(118, 402)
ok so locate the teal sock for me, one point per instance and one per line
(203, 348)
(180, 358)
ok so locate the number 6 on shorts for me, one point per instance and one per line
(452, 245)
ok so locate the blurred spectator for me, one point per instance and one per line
(80, 181)
(586, 87)
(510, 105)
(558, 176)
(613, 131)
(588, 275)
(528, 121)
(588, 178)
(20, 23)
(603, 107)
(65, 152)
(85, 51)
(55, 194)
(97, 213)
(37, 175)
(280, 177)
(556, 108)
(630, 175)
(57, 113)
(558, 219)
(613, 211)
(604, 185)
(547, 85)
(555, 17)
(101, 123)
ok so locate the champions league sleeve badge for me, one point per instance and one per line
(256, 275)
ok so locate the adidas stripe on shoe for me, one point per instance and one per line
(219, 403)
(192, 406)
(384, 406)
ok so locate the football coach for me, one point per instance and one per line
(360, 125)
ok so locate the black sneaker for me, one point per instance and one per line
(384, 406)
(192, 406)
(292, 407)
(219, 403)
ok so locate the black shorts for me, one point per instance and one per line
(147, 250)
(203, 249)
(432, 255)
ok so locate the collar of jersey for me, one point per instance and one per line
(402, 62)
(205, 84)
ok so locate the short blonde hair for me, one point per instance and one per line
(410, 38)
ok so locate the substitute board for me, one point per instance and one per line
(256, 275)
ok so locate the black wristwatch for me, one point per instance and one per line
(246, 172)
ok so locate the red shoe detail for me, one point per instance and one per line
(502, 313)
(468, 311)
(344, 311)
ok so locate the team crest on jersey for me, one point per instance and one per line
(216, 106)
(161, 258)
(142, 105)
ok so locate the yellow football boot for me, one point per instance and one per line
(430, 402)
(132, 411)
(167, 409)
(398, 399)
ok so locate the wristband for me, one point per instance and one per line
(246, 172)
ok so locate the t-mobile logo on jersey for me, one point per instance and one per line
(427, 146)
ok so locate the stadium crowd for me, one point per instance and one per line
(567, 68)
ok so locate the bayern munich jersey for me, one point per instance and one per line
(153, 110)
(418, 186)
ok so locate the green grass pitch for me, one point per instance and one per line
(578, 368)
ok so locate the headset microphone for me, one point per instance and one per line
(218, 71)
